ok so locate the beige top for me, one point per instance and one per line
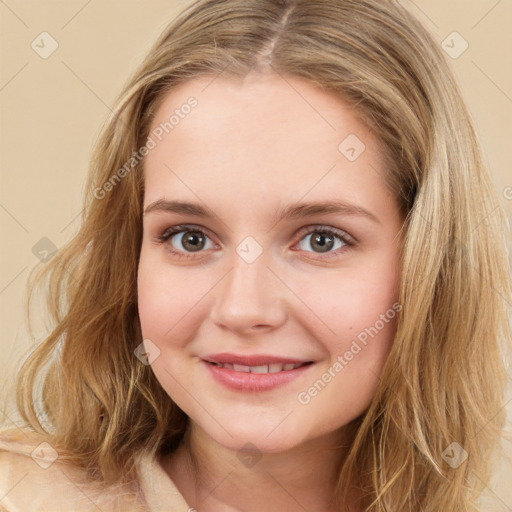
(32, 479)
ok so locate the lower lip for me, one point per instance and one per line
(254, 382)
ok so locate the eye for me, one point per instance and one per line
(325, 240)
(185, 239)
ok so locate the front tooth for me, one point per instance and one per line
(229, 366)
(259, 369)
(241, 368)
(275, 367)
(289, 366)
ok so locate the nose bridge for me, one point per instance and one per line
(250, 296)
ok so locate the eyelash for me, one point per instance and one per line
(168, 233)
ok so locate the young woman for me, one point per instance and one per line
(288, 291)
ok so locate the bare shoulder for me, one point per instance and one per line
(34, 478)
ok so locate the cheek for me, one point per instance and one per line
(169, 298)
(361, 317)
(351, 303)
(152, 298)
(169, 305)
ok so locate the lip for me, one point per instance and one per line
(253, 382)
(251, 360)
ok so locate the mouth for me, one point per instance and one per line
(255, 373)
(265, 368)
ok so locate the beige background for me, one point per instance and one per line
(52, 109)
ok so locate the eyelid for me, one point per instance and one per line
(345, 237)
(171, 231)
(180, 228)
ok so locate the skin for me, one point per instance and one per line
(249, 148)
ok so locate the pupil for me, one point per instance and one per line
(324, 246)
(194, 239)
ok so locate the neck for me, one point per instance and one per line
(212, 477)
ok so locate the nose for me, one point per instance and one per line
(250, 298)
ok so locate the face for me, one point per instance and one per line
(269, 306)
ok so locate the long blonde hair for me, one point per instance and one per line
(444, 379)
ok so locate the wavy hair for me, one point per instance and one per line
(445, 376)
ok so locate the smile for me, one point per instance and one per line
(259, 373)
(268, 368)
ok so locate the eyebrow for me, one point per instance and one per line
(289, 212)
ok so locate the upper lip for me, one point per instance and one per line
(252, 360)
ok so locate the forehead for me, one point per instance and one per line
(257, 105)
(258, 137)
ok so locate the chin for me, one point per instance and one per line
(255, 439)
